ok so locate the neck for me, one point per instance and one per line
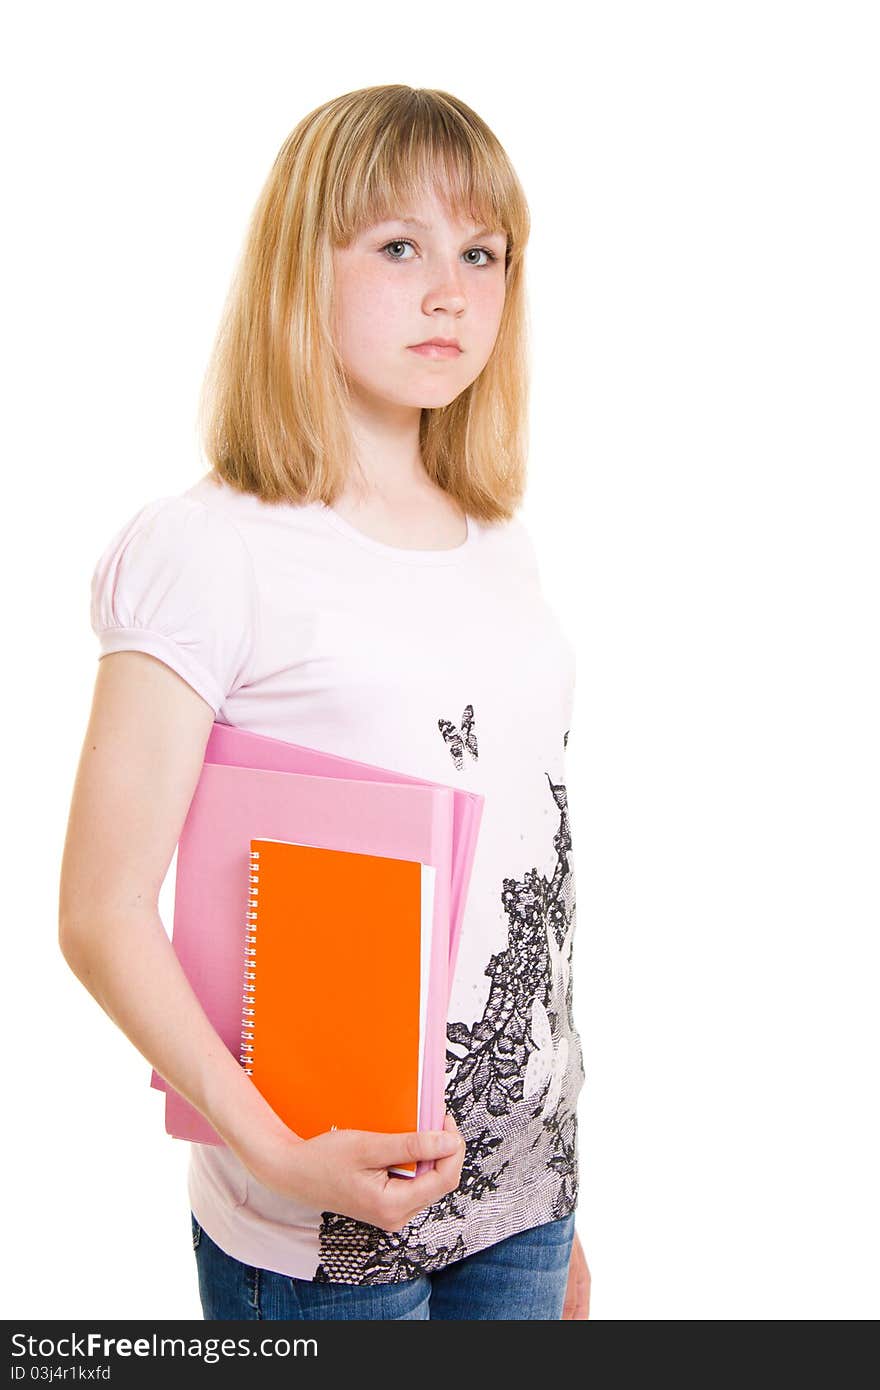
(387, 450)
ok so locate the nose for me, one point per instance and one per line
(445, 289)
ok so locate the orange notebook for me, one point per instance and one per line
(337, 950)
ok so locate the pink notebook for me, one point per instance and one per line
(246, 790)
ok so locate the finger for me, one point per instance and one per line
(439, 1180)
(396, 1150)
(450, 1168)
(414, 1194)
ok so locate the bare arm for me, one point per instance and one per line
(140, 762)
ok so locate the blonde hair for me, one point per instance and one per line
(272, 410)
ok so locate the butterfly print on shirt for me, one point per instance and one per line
(457, 740)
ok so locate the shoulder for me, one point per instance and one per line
(511, 540)
(175, 579)
(180, 531)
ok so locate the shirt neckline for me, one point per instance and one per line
(453, 555)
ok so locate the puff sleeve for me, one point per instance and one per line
(177, 581)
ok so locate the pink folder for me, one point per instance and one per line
(246, 789)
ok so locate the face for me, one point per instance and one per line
(399, 284)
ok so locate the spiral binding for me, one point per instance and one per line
(246, 1055)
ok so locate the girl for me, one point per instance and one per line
(351, 574)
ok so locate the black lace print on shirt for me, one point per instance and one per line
(513, 1078)
(457, 740)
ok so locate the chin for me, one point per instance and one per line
(416, 396)
(432, 395)
(437, 402)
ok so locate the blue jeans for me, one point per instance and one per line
(524, 1276)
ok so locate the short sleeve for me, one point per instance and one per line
(177, 581)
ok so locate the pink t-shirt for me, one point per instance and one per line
(446, 664)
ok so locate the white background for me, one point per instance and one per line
(703, 492)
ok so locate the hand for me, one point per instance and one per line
(577, 1294)
(346, 1171)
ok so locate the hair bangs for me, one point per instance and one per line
(415, 148)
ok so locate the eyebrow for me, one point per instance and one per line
(423, 226)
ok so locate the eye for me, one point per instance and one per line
(486, 252)
(478, 265)
(389, 244)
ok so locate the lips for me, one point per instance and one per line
(436, 349)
